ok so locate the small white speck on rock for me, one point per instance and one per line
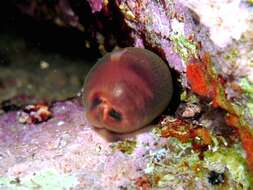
(60, 123)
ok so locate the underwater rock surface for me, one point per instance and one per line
(65, 152)
(181, 32)
(64, 149)
(207, 42)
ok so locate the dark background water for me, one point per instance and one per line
(40, 61)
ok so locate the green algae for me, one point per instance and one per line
(250, 107)
(165, 165)
(188, 97)
(250, 2)
(247, 87)
(43, 180)
(127, 146)
(183, 46)
(248, 91)
(179, 159)
(232, 55)
(232, 160)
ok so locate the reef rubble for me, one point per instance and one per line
(208, 46)
(181, 32)
(65, 152)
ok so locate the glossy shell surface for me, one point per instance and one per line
(127, 89)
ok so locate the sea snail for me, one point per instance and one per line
(126, 90)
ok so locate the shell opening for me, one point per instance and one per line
(115, 115)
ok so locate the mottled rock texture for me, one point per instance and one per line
(65, 152)
(181, 32)
(207, 43)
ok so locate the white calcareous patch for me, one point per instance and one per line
(226, 20)
(60, 123)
